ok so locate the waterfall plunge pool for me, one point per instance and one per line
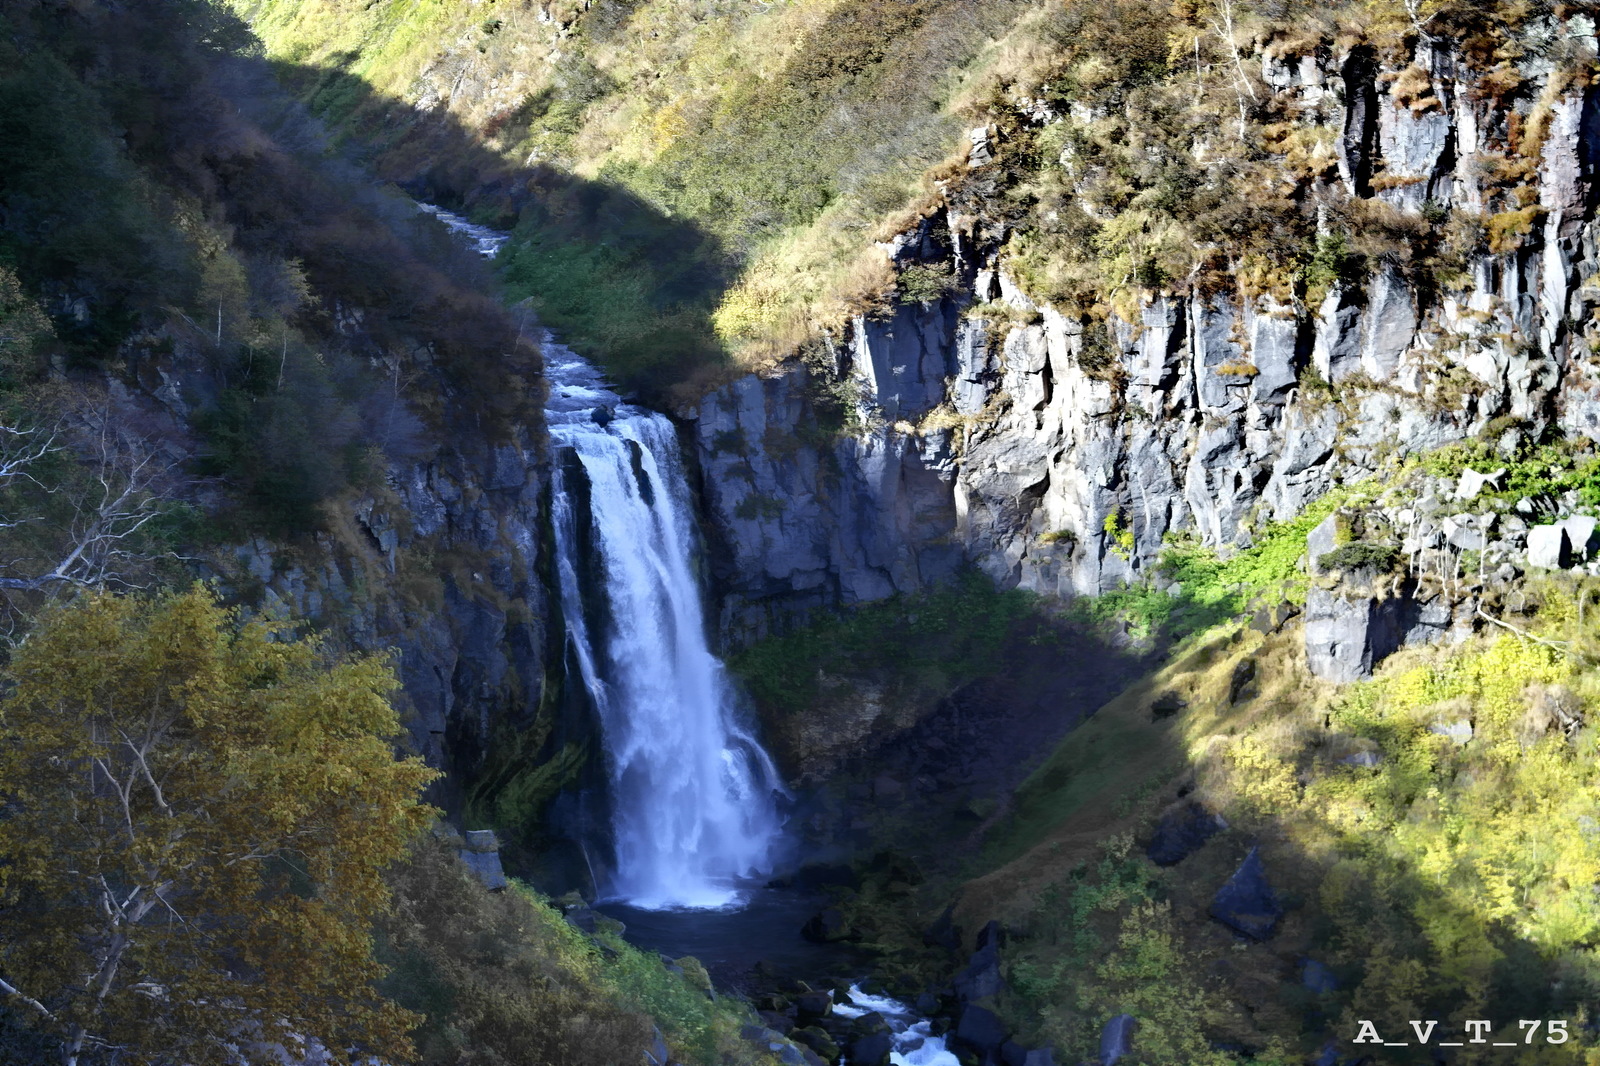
(696, 798)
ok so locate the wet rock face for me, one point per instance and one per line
(1034, 444)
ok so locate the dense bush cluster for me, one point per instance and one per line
(183, 213)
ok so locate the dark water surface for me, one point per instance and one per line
(731, 942)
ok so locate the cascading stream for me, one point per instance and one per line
(693, 794)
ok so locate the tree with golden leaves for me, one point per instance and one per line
(195, 815)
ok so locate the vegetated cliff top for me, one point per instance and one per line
(700, 185)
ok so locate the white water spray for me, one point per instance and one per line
(912, 1042)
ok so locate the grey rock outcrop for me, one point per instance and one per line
(1056, 453)
(1348, 634)
(1116, 1039)
(470, 642)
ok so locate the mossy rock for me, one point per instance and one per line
(694, 972)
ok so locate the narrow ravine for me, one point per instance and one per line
(696, 826)
(693, 795)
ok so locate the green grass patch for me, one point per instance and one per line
(620, 283)
(1212, 589)
(926, 643)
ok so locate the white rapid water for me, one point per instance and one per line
(692, 793)
(912, 1039)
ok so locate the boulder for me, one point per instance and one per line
(586, 920)
(1244, 672)
(1472, 483)
(1181, 831)
(871, 1050)
(980, 1029)
(1166, 705)
(1459, 731)
(486, 866)
(980, 979)
(1347, 637)
(1116, 1039)
(1318, 978)
(1246, 903)
(814, 1004)
(1367, 759)
(481, 840)
(695, 973)
(943, 932)
(1465, 532)
(1322, 539)
(818, 1041)
(1549, 547)
(981, 976)
(826, 926)
(1581, 530)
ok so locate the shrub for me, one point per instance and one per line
(918, 284)
(1360, 555)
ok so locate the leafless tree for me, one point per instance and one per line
(118, 485)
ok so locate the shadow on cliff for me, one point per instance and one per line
(620, 280)
(1117, 885)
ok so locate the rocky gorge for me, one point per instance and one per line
(1149, 520)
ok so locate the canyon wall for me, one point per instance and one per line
(993, 427)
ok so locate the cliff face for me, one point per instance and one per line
(445, 568)
(1056, 452)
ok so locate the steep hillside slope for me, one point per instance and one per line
(239, 359)
(227, 354)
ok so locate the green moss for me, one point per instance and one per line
(926, 643)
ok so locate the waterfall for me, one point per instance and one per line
(692, 792)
